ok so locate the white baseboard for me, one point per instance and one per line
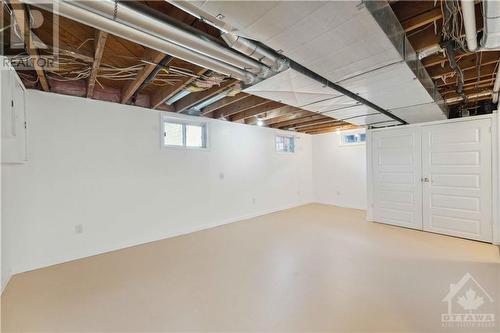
(172, 233)
(5, 282)
(336, 204)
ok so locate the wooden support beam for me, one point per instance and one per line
(473, 97)
(228, 100)
(326, 120)
(422, 19)
(439, 58)
(486, 71)
(22, 21)
(99, 42)
(153, 57)
(163, 94)
(298, 113)
(487, 81)
(273, 114)
(257, 110)
(466, 63)
(472, 87)
(239, 106)
(330, 129)
(197, 97)
(330, 123)
(298, 121)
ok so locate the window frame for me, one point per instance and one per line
(349, 144)
(292, 137)
(184, 123)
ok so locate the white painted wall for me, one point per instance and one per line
(3, 277)
(13, 142)
(339, 171)
(100, 165)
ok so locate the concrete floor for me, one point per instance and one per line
(311, 268)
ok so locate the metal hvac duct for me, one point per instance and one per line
(496, 86)
(255, 51)
(138, 31)
(491, 14)
(121, 12)
(236, 42)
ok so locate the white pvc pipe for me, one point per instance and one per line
(469, 15)
(67, 9)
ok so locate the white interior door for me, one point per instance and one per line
(457, 191)
(396, 165)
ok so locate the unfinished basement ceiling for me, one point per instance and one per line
(344, 43)
(95, 52)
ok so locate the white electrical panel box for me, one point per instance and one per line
(14, 124)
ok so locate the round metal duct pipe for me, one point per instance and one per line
(71, 10)
(254, 51)
(120, 12)
(238, 43)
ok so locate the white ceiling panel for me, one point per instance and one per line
(350, 112)
(390, 87)
(337, 39)
(373, 119)
(292, 88)
(332, 104)
(420, 113)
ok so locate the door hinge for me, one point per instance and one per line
(12, 103)
(25, 125)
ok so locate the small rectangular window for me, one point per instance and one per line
(285, 144)
(353, 138)
(173, 134)
(177, 133)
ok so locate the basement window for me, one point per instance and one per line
(178, 133)
(353, 138)
(285, 144)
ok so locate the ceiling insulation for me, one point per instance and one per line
(360, 47)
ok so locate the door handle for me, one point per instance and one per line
(424, 180)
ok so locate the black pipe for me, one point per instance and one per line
(307, 72)
(162, 64)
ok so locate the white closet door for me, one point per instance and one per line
(457, 191)
(396, 165)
